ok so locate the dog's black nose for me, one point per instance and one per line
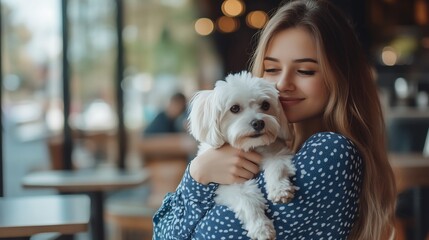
(258, 125)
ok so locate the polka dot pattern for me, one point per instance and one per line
(329, 176)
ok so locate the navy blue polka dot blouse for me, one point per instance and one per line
(329, 176)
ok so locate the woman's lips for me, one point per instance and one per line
(289, 101)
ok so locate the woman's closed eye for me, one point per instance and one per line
(306, 72)
(271, 70)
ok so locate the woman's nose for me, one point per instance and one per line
(285, 84)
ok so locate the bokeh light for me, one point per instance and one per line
(233, 8)
(256, 19)
(389, 56)
(204, 26)
(227, 24)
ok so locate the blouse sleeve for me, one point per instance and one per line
(182, 210)
(329, 174)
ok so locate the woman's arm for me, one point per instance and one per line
(329, 174)
(182, 211)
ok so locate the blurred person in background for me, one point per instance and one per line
(170, 120)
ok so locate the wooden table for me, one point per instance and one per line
(93, 182)
(407, 113)
(26, 216)
(412, 172)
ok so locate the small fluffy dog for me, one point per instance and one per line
(245, 112)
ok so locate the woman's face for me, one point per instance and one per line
(291, 62)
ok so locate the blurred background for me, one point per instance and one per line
(82, 80)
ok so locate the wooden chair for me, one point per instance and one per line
(96, 142)
(56, 148)
(130, 222)
(166, 158)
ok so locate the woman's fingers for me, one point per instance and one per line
(242, 174)
(249, 166)
(225, 165)
(254, 157)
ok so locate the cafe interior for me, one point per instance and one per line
(83, 80)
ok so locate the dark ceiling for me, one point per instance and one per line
(236, 48)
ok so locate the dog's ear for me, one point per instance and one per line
(285, 131)
(204, 119)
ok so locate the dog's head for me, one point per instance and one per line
(243, 111)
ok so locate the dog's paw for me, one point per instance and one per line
(262, 230)
(283, 192)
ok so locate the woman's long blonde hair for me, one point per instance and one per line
(353, 109)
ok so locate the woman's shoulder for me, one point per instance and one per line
(328, 138)
(328, 147)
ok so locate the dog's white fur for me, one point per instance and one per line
(213, 123)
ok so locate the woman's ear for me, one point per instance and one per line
(204, 119)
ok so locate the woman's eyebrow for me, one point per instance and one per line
(299, 60)
(271, 59)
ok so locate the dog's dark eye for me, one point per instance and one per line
(265, 106)
(235, 109)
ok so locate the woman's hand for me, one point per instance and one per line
(225, 165)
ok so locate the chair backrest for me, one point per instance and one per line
(426, 147)
(56, 148)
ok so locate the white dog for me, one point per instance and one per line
(245, 112)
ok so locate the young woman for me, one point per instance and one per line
(346, 185)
